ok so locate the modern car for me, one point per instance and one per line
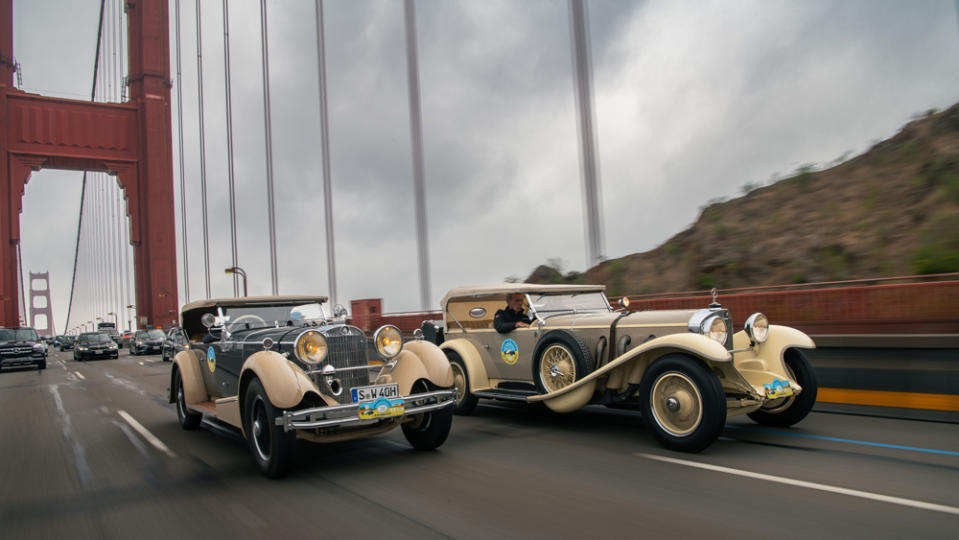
(92, 345)
(110, 329)
(21, 346)
(282, 368)
(685, 370)
(66, 343)
(174, 342)
(147, 341)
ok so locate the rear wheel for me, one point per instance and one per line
(273, 448)
(683, 403)
(428, 431)
(465, 402)
(787, 411)
(188, 419)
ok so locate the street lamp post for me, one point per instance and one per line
(116, 320)
(129, 319)
(239, 271)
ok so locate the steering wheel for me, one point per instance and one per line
(248, 318)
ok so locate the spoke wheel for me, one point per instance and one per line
(465, 401)
(557, 368)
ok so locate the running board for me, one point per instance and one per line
(508, 395)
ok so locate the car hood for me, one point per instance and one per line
(636, 319)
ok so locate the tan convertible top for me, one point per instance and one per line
(524, 288)
(253, 301)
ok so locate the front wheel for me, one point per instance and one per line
(272, 447)
(683, 403)
(188, 419)
(465, 402)
(428, 431)
(787, 411)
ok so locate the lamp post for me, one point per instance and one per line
(239, 271)
(116, 320)
(129, 319)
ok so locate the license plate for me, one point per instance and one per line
(380, 401)
(778, 389)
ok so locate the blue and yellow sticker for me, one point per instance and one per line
(211, 359)
(381, 408)
(778, 389)
(509, 350)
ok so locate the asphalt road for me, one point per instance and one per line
(76, 466)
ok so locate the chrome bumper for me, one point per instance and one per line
(346, 415)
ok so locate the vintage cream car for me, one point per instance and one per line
(683, 369)
(283, 368)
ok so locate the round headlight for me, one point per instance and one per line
(714, 328)
(311, 347)
(388, 340)
(757, 328)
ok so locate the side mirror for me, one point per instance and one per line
(339, 311)
(418, 334)
(208, 320)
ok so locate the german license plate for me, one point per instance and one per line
(380, 401)
(778, 389)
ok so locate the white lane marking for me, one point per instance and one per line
(78, 374)
(151, 438)
(79, 453)
(810, 485)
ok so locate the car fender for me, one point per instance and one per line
(574, 396)
(284, 382)
(409, 367)
(766, 361)
(434, 360)
(476, 371)
(194, 390)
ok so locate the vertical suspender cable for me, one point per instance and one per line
(199, 85)
(229, 143)
(325, 151)
(269, 146)
(23, 291)
(179, 107)
(83, 187)
(592, 199)
(416, 136)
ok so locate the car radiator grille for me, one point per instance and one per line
(347, 351)
(16, 351)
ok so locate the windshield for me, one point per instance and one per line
(96, 337)
(18, 334)
(551, 303)
(260, 316)
(150, 334)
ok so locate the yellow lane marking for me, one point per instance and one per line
(879, 398)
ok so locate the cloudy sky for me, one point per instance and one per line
(693, 100)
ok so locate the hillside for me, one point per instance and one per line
(891, 211)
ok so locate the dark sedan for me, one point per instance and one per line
(147, 341)
(174, 342)
(66, 342)
(94, 345)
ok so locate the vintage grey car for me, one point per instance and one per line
(684, 370)
(284, 368)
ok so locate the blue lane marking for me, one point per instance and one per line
(850, 441)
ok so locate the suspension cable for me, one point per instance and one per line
(229, 144)
(325, 152)
(199, 84)
(179, 105)
(83, 188)
(269, 146)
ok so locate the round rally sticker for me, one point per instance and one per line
(211, 359)
(509, 350)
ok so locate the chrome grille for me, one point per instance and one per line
(347, 349)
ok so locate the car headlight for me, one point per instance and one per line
(311, 347)
(112, 346)
(714, 328)
(389, 341)
(82, 348)
(38, 346)
(757, 328)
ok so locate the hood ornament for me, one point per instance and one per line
(715, 295)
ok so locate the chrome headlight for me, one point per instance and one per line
(389, 341)
(112, 346)
(714, 328)
(311, 347)
(38, 346)
(757, 328)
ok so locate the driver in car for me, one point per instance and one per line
(513, 316)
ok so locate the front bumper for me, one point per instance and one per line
(348, 415)
(10, 361)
